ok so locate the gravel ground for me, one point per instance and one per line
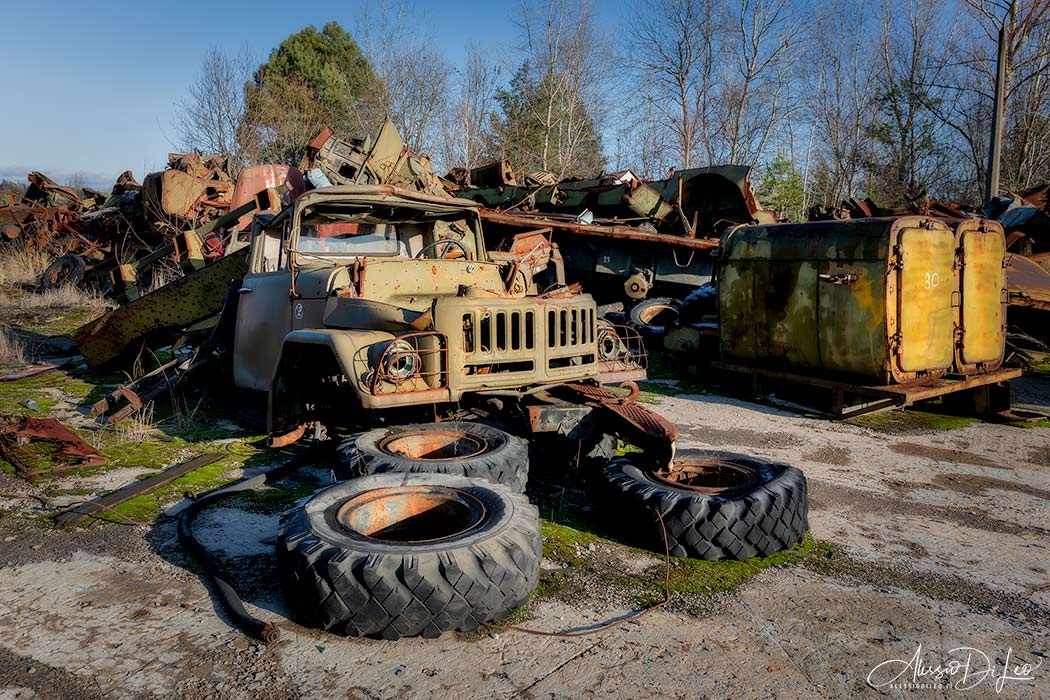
(945, 542)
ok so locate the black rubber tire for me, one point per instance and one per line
(636, 317)
(353, 585)
(770, 515)
(64, 271)
(599, 449)
(505, 459)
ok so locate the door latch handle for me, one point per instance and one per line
(245, 290)
(840, 278)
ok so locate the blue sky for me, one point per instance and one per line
(91, 87)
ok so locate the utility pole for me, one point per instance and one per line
(998, 110)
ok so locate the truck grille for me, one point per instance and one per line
(498, 332)
(513, 340)
(570, 327)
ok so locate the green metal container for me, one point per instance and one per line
(870, 299)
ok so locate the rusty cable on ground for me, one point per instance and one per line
(617, 622)
(213, 571)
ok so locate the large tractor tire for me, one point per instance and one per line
(460, 447)
(400, 555)
(654, 317)
(717, 506)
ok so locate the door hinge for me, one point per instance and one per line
(897, 258)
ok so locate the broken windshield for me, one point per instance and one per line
(348, 238)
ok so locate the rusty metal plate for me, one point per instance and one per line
(638, 415)
(1029, 284)
(37, 446)
(185, 301)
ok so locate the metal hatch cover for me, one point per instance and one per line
(982, 279)
(925, 323)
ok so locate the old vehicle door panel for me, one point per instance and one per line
(263, 313)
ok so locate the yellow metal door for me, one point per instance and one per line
(981, 292)
(925, 323)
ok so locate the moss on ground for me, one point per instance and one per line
(274, 500)
(589, 560)
(911, 421)
(75, 388)
(564, 544)
(148, 506)
(1032, 424)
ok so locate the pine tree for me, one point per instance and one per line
(781, 188)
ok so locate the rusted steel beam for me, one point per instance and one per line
(626, 233)
(81, 512)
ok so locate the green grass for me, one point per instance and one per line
(147, 507)
(698, 577)
(1032, 424)
(658, 369)
(274, 500)
(1039, 369)
(76, 389)
(563, 544)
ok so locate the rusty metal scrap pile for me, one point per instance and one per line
(141, 236)
(693, 203)
(102, 239)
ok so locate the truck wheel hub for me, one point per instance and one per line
(709, 476)
(409, 514)
(433, 444)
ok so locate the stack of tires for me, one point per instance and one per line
(427, 529)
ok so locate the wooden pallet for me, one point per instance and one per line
(851, 399)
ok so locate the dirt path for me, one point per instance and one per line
(944, 535)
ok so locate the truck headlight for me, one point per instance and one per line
(610, 346)
(400, 362)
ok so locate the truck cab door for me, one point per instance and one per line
(264, 308)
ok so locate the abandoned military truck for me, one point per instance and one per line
(364, 301)
(378, 312)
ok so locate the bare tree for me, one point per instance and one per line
(413, 78)
(761, 41)
(968, 82)
(717, 75)
(567, 59)
(840, 98)
(911, 155)
(1027, 152)
(210, 118)
(465, 126)
(672, 47)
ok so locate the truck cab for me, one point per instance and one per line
(364, 298)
